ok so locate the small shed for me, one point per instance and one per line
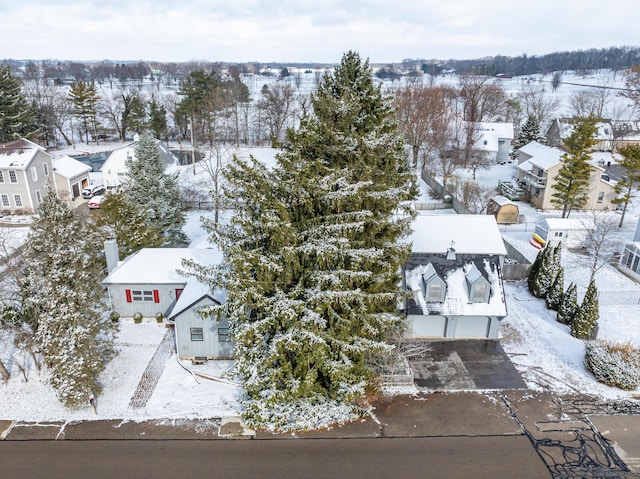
(560, 230)
(504, 210)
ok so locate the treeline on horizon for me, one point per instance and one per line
(585, 61)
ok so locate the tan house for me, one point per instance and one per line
(539, 165)
(26, 174)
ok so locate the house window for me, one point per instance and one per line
(479, 293)
(197, 334)
(34, 173)
(45, 168)
(38, 197)
(17, 199)
(1, 177)
(558, 234)
(134, 295)
(12, 176)
(434, 292)
(5, 201)
(223, 335)
(601, 197)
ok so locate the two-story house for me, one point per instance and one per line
(538, 166)
(454, 277)
(611, 135)
(26, 175)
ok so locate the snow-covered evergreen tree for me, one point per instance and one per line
(17, 118)
(530, 132)
(129, 224)
(315, 253)
(554, 295)
(158, 192)
(64, 265)
(584, 325)
(569, 306)
(542, 272)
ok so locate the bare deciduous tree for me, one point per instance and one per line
(602, 239)
(591, 102)
(277, 106)
(537, 103)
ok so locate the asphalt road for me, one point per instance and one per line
(441, 457)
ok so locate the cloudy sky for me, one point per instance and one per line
(309, 30)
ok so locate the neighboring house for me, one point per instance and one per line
(630, 259)
(25, 176)
(539, 165)
(611, 135)
(71, 176)
(454, 275)
(495, 138)
(114, 170)
(148, 282)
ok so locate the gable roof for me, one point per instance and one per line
(159, 265)
(471, 234)
(193, 292)
(18, 154)
(542, 156)
(69, 167)
(117, 160)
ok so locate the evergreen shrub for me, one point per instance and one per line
(614, 364)
(137, 318)
(159, 317)
(114, 316)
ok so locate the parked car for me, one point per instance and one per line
(91, 191)
(96, 202)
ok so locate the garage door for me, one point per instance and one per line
(472, 327)
(427, 326)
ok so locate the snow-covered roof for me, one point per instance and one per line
(561, 224)
(457, 301)
(159, 265)
(69, 167)
(193, 291)
(471, 234)
(117, 160)
(502, 200)
(542, 156)
(17, 154)
(490, 135)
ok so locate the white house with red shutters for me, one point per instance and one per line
(149, 282)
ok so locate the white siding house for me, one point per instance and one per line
(454, 275)
(71, 176)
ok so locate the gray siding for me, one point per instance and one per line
(210, 347)
(166, 296)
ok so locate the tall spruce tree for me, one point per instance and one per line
(568, 306)
(584, 325)
(85, 97)
(313, 256)
(17, 118)
(542, 272)
(62, 278)
(530, 132)
(160, 193)
(572, 181)
(627, 187)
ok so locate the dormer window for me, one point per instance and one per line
(434, 287)
(478, 287)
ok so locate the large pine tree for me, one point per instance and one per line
(627, 187)
(63, 270)
(572, 181)
(568, 306)
(315, 252)
(147, 183)
(17, 118)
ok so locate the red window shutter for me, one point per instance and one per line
(127, 292)
(156, 296)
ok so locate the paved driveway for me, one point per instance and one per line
(464, 365)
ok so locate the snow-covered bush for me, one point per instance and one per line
(137, 318)
(114, 316)
(614, 364)
(159, 317)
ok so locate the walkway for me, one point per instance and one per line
(155, 368)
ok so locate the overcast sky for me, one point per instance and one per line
(309, 30)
